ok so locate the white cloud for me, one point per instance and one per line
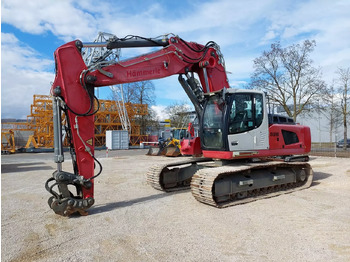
(24, 73)
(62, 18)
(83, 19)
(242, 29)
(328, 23)
(160, 112)
(8, 38)
(269, 36)
(239, 68)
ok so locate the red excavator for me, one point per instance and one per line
(246, 155)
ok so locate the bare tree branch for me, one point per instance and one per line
(288, 76)
(343, 82)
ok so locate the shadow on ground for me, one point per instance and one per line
(318, 176)
(24, 167)
(115, 205)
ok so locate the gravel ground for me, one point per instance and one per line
(131, 221)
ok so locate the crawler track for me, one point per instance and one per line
(203, 183)
(246, 182)
(157, 175)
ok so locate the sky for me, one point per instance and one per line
(32, 30)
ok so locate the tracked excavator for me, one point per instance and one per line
(245, 156)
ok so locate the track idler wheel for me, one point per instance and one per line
(301, 175)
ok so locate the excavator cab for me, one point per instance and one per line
(178, 133)
(235, 120)
(235, 124)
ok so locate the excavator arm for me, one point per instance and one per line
(73, 95)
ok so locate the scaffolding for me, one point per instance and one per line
(40, 120)
(8, 142)
(107, 118)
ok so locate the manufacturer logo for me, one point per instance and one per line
(143, 73)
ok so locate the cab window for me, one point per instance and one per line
(246, 112)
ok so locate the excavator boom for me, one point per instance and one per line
(73, 94)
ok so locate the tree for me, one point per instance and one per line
(140, 93)
(331, 110)
(143, 93)
(177, 114)
(149, 123)
(343, 82)
(288, 76)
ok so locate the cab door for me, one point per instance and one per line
(247, 122)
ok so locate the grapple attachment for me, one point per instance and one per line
(64, 202)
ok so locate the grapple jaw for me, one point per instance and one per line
(68, 206)
(64, 202)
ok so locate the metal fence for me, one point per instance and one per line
(329, 149)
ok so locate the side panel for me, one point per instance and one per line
(290, 137)
(252, 140)
(284, 140)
